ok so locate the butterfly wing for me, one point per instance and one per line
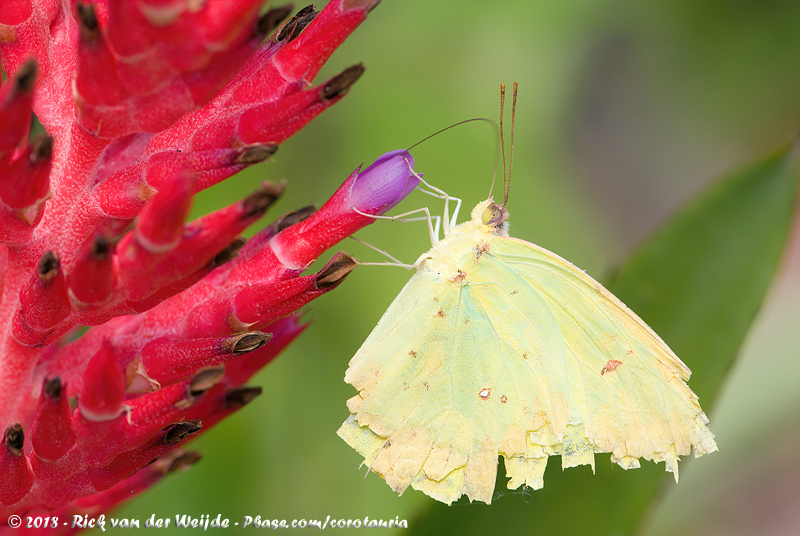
(524, 356)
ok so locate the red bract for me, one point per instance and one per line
(146, 103)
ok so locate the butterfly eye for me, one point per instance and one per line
(494, 214)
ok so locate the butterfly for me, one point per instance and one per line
(498, 347)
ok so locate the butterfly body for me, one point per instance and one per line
(496, 346)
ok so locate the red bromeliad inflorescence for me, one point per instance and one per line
(145, 103)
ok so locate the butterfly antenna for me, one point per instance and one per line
(426, 138)
(502, 140)
(507, 180)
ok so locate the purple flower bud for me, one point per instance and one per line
(385, 183)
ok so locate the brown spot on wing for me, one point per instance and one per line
(482, 248)
(485, 392)
(610, 366)
(460, 276)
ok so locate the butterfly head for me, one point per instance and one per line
(491, 216)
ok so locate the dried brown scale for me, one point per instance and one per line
(48, 268)
(292, 218)
(241, 397)
(272, 18)
(247, 342)
(229, 253)
(26, 77)
(338, 269)
(292, 28)
(259, 201)
(256, 154)
(101, 248)
(42, 148)
(52, 388)
(180, 431)
(177, 460)
(342, 82)
(14, 439)
(87, 19)
(205, 379)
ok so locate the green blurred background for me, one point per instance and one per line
(626, 110)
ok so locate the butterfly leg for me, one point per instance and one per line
(394, 262)
(449, 222)
(433, 232)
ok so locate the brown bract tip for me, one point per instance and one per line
(205, 379)
(241, 397)
(87, 20)
(256, 153)
(52, 388)
(341, 83)
(14, 439)
(296, 24)
(247, 342)
(42, 148)
(272, 18)
(340, 267)
(287, 220)
(25, 77)
(259, 201)
(183, 461)
(100, 247)
(229, 253)
(48, 268)
(175, 460)
(181, 430)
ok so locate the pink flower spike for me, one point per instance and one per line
(303, 57)
(97, 86)
(52, 434)
(103, 388)
(283, 331)
(174, 460)
(275, 121)
(168, 360)
(43, 303)
(257, 306)
(24, 189)
(92, 277)
(146, 103)
(128, 463)
(17, 475)
(203, 245)
(160, 225)
(25, 183)
(15, 108)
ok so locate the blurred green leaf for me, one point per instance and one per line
(699, 282)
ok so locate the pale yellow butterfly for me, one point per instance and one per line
(497, 346)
